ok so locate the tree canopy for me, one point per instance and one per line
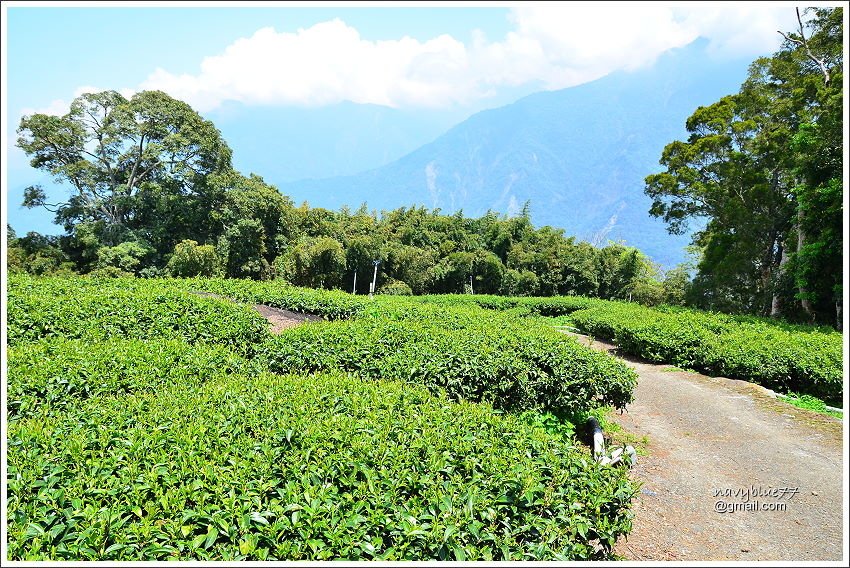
(764, 167)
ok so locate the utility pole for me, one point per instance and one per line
(471, 291)
(354, 288)
(374, 278)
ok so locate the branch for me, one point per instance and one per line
(805, 44)
(132, 179)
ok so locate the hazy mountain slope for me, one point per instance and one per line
(579, 155)
(293, 143)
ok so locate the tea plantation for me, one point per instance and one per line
(147, 421)
(160, 419)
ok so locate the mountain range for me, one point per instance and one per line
(578, 156)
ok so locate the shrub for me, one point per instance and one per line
(126, 257)
(190, 259)
(331, 304)
(395, 288)
(96, 309)
(463, 353)
(779, 356)
(303, 468)
(57, 373)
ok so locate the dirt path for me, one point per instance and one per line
(279, 318)
(715, 434)
(283, 319)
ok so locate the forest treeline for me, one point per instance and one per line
(155, 194)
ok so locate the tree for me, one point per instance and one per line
(190, 259)
(757, 165)
(242, 248)
(315, 262)
(127, 257)
(126, 160)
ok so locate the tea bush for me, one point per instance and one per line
(331, 304)
(471, 357)
(95, 309)
(779, 356)
(49, 375)
(273, 467)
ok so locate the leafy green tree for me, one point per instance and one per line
(315, 262)
(519, 283)
(252, 198)
(191, 259)
(758, 165)
(675, 286)
(127, 257)
(137, 166)
(242, 248)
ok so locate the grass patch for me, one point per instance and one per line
(809, 403)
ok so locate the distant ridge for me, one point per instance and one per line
(579, 155)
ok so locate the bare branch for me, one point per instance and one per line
(805, 44)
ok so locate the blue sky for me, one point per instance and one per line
(405, 57)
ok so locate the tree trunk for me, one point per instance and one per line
(801, 242)
(838, 314)
(767, 297)
(775, 304)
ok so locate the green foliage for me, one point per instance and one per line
(466, 352)
(190, 259)
(133, 163)
(96, 309)
(395, 288)
(778, 356)
(35, 254)
(316, 262)
(331, 304)
(126, 257)
(302, 468)
(519, 283)
(51, 375)
(810, 403)
(243, 249)
(764, 166)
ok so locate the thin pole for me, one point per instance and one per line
(354, 288)
(374, 278)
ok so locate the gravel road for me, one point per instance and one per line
(717, 443)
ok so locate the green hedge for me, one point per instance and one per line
(53, 374)
(292, 468)
(470, 356)
(331, 304)
(98, 309)
(782, 357)
(544, 306)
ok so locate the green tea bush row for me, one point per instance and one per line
(49, 375)
(302, 468)
(544, 306)
(785, 358)
(331, 304)
(97, 309)
(514, 367)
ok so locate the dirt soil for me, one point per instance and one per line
(712, 439)
(279, 318)
(284, 319)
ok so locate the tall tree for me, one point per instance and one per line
(755, 164)
(110, 149)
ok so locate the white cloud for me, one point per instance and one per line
(57, 107)
(555, 46)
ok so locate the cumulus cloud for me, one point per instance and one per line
(555, 46)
